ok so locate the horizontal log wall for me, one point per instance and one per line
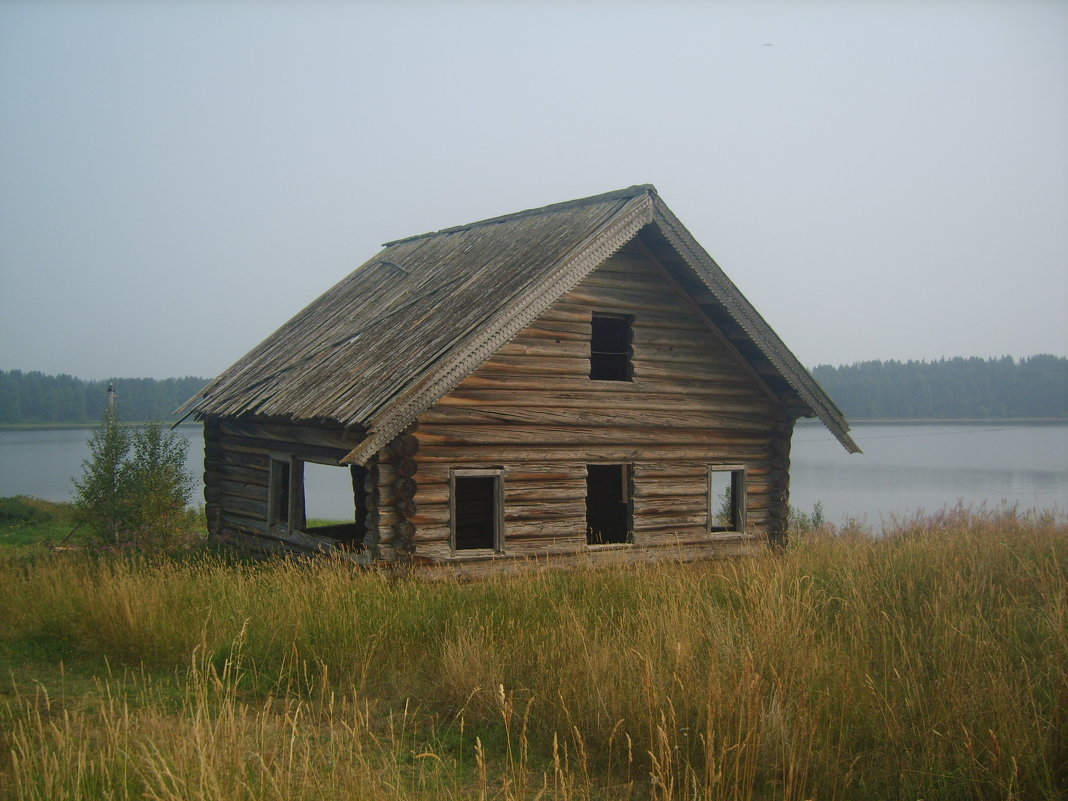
(533, 410)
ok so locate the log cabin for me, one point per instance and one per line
(579, 380)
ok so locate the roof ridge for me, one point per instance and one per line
(630, 191)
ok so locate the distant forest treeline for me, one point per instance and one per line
(949, 388)
(38, 398)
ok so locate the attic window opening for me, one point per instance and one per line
(610, 348)
(323, 499)
(726, 498)
(477, 510)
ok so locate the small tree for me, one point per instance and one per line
(140, 497)
(159, 487)
(101, 496)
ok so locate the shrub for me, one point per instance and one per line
(800, 522)
(101, 499)
(159, 487)
(134, 488)
(19, 510)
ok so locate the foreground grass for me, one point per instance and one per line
(932, 663)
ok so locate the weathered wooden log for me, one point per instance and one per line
(403, 531)
(608, 418)
(386, 518)
(493, 454)
(370, 521)
(252, 508)
(622, 299)
(213, 513)
(653, 507)
(691, 374)
(405, 487)
(670, 520)
(507, 365)
(245, 539)
(608, 391)
(548, 347)
(280, 433)
(547, 512)
(669, 489)
(253, 460)
(241, 489)
(311, 453)
(645, 281)
(593, 436)
(534, 492)
(406, 465)
(405, 445)
(565, 313)
(586, 397)
(544, 329)
(246, 475)
(231, 519)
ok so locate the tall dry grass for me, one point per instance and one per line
(928, 663)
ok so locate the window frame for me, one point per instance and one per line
(497, 473)
(739, 498)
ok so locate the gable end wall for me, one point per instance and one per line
(532, 410)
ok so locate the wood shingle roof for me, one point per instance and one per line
(402, 330)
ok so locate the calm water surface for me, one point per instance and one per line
(905, 468)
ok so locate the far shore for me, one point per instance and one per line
(124, 423)
(801, 421)
(939, 420)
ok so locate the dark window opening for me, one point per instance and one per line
(610, 349)
(476, 512)
(726, 499)
(607, 504)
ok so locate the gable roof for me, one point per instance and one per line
(402, 330)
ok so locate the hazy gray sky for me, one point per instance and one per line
(882, 180)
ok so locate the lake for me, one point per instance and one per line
(905, 468)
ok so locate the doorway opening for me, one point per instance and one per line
(607, 504)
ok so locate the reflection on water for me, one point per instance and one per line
(904, 468)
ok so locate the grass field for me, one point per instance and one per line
(931, 663)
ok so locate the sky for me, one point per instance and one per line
(177, 179)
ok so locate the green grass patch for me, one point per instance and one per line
(29, 521)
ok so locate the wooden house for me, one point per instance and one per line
(578, 379)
